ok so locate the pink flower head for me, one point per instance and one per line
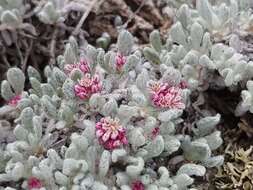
(137, 185)
(120, 61)
(183, 84)
(155, 132)
(82, 65)
(110, 133)
(87, 86)
(70, 67)
(14, 101)
(34, 183)
(165, 96)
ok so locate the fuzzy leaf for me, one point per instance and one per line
(182, 180)
(6, 91)
(61, 179)
(110, 108)
(20, 133)
(177, 34)
(214, 140)
(67, 89)
(151, 55)
(136, 138)
(197, 151)
(96, 102)
(48, 107)
(206, 125)
(32, 72)
(37, 126)
(36, 85)
(192, 170)
(125, 42)
(10, 18)
(47, 89)
(142, 79)
(26, 117)
(155, 40)
(169, 115)
(155, 147)
(104, 163)
(196, 35)
(137, 167)
(69, 167)
(171, 144)
(117, 154)
(17, 79)
(215, 161)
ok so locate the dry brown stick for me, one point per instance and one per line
(5, 60)
(5, 27)
(52, 47)
(19, 53)
(135, 13)
(71, 29)
(85, 14)
(39, 6)
(27, 55)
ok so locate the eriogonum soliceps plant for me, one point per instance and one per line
(98, 120)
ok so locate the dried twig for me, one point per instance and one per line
(27, 55)
(85, 14)
(19, 53)
(52, 47)
(39, 6)
(5, 27)
(135, 13)
(71, 29)
(5, 60)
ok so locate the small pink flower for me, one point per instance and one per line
(34, 183)
(82, 65)
(155, 132)
(183, 84)
(120, 61)
(156, 87)
(137, 185)
(70, 67)
(14, 101)
(110, 133)
(165, 96)
(87, 86)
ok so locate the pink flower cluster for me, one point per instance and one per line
(14, 101)
(82, 65)
(137, 185)
(110, 133)
(183, 84)
(34, 183)
(120, 61)
(165, 96)
(87, 86)
(155, 132)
